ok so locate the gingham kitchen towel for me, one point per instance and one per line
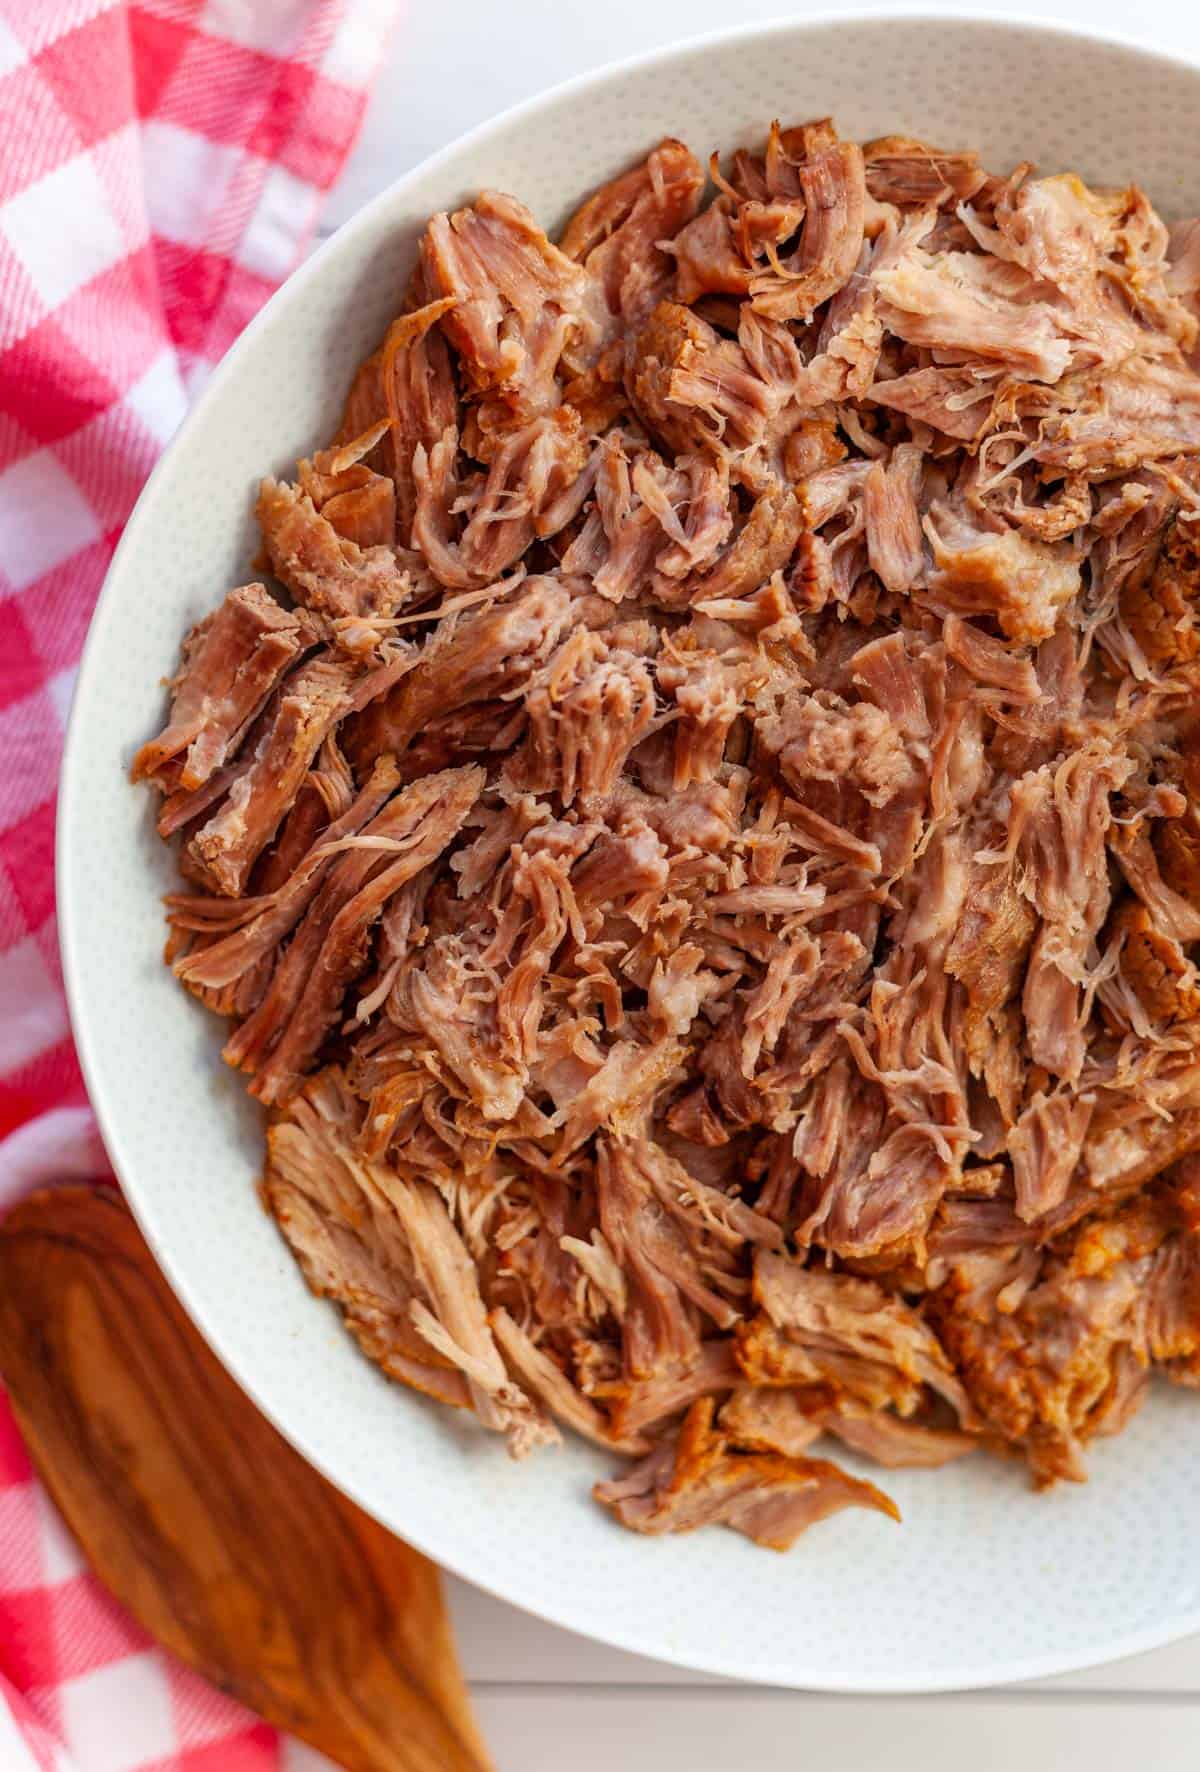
(162, 165)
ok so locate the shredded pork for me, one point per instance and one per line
(699, 847)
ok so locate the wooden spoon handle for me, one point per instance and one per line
(210, 1529)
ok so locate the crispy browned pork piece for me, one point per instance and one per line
(699, 847)
(1062, 1353)
(695, 1480)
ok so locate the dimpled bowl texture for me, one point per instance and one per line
(985, 1581)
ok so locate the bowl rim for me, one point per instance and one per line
(70, 927)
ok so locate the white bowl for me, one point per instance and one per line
(985, 1581)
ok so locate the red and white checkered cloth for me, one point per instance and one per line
(161, 169)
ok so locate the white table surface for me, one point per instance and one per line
(548, 1699)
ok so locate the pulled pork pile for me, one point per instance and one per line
(703, 862)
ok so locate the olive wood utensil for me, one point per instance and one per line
(201, 1519)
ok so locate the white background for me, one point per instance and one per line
(547, 1699)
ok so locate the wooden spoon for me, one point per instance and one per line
(220, 1539)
